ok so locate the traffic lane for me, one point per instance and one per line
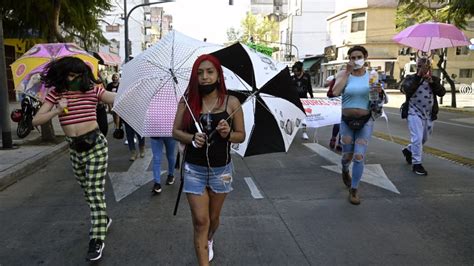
(451, 132)
(428, 214)
(262, 225)
(45, 221)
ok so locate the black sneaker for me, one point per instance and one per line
(419, 169)
(96, 246)
(407, 155)
(170, 180)
(157, 188)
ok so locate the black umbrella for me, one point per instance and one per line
(272, 108)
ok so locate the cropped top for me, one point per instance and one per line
(218, 152)
(81, 106)
(356, 92)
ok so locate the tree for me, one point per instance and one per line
(55, 21)
(260, 29)
(456, 12)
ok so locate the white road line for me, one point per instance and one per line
(453, 124)
(373, 173)
(125, 183)
(253, 188)
(437, 121)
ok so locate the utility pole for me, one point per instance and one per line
(127, 16)
(5, 126)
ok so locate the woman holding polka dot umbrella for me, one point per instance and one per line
(151, 86)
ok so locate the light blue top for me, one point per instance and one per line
(356, 92)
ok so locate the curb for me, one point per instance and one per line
(426, 149)
(17, 172)
(29, 166)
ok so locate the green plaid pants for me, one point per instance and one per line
(90, 169)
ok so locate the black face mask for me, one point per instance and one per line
(206, 89)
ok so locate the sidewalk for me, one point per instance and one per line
(464, 102)
(29, 153)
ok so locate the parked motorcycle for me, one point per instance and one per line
(24, 116)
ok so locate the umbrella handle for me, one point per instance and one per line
(198, 127)
(178, 197)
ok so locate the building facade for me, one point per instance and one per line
(368, 23)
(157, 25)
(303, 31)
(371, 23)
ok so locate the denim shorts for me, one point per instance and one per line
(197, 178)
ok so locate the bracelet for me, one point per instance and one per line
(194, 137)
(194, 144)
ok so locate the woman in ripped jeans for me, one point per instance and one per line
(207, 162)
(73, 98)
(357, 123)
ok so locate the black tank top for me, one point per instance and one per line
(219, 148)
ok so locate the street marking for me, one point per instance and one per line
(253, 188)
(453, 124)
(465, 120)
(125, 183)
(373, 173)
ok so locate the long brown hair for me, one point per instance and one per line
(192, 92)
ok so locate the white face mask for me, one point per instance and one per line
(359, 63)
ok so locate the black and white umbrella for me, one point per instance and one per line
(272, 109)
(154, 81)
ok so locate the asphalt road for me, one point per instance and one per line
(452, 131)
(303, 216)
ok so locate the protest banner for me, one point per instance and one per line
(322, 111)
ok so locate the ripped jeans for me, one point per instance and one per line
(197, 178)
(354, 146)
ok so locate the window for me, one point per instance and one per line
(112, 28)
(358, 22)
(462, 50)
(465, 73)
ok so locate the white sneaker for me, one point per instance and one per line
(305, 136)
(126, 141)
(211, 250)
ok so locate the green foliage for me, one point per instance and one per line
(456, 12)
(35, 19)
(261, 29)
(261, 48)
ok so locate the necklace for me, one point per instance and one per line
(209, 110)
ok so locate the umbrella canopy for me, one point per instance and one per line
(34, 61)
(272, 109)
(431, 35)
(154, 81)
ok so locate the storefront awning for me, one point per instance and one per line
(309, 62)
(108, 59)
